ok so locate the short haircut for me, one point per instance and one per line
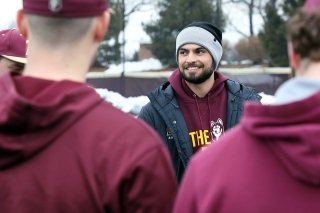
(52, 31)
(304, 32)
(15, 67)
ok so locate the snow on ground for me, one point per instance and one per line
(144, 65)
(131, 105)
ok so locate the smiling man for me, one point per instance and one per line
(197, 100)
(270, 161)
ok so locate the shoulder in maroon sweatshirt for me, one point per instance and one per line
(64, 149)
(268, 163)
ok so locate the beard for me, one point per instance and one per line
(197, 79)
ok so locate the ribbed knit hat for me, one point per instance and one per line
(13, 45)
(65, 8)
(203, 34)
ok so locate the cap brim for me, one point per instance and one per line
(16, 59)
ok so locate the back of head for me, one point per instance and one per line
(62, 21)
(304, 31)
(13, 45)
(204, 34)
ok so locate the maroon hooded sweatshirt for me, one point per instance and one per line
(269, 163)
(205, 116)
(63, 149)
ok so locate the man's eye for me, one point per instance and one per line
(201, 51)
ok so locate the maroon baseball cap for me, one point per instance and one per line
(65, 8)
(13, 45)
(311, 5)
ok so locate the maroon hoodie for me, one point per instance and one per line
(206, 116)
(63, 149)
(268, 163)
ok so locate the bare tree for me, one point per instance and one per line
(112, 50)
(261, 8)
(253, 7)
(250, 48)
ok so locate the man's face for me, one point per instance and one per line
(195, 63)
(7, 65)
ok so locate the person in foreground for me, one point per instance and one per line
(63, 148)
(270, 161)
(13, 49)
(198, 103)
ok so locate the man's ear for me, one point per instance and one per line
(294, 58)
(21, 23)
(102, 26)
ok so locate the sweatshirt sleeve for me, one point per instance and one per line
(152, 186)
(134, 170)
(186, 201)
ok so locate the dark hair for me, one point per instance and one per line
(209, 27)
(15, 67)
(304, 32)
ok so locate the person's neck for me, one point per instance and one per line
(202, 89)
(312, 70)
(58, 65)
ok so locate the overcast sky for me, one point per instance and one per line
(8, 11)
(134, 33)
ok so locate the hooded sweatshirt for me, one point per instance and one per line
(268, 163)
(206, 116)
(63, 149)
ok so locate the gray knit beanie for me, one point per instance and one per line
(203, 34)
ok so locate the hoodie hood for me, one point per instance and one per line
(295, 89)
(291, 131)
(33, 112)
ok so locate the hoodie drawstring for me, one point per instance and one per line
(198, 108)
(209, 110)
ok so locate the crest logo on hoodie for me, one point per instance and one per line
(217, 129)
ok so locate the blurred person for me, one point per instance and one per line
(63, 148)
(198, 103)
(13, 48)
(270, 161)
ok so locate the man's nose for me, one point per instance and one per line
(191, 57)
